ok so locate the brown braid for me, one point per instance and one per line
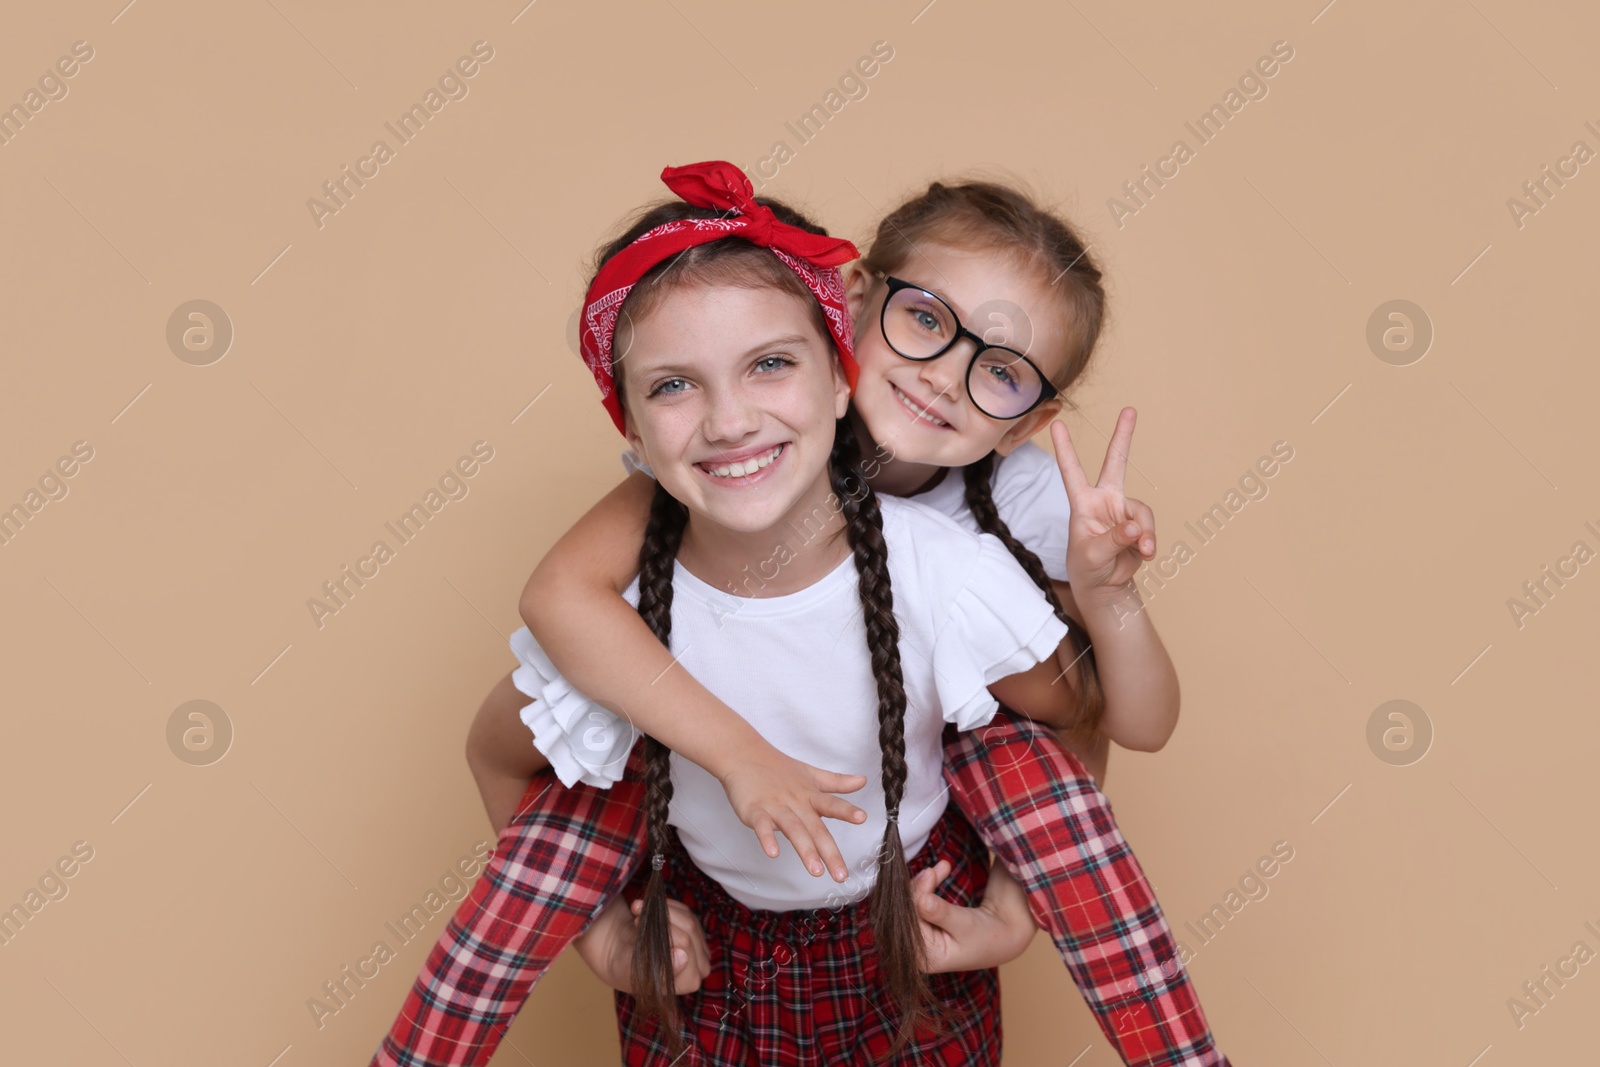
(653, 977)
(1091, 696)
(891, 908)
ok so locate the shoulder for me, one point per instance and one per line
(932, 557)
(1031, 499)
(919, 528)
(1029, 469)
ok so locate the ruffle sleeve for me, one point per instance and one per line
(583, 741)
(999, 624)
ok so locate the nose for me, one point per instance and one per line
(943, 375)
(730, 417)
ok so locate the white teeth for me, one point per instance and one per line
(918, 412)
(749, 466)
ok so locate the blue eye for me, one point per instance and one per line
(773, 363)
(1002, 374)
(662, 387)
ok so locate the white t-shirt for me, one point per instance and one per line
(1027, 490)
(798, 669)
(1029, 495)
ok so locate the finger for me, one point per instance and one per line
(1115, 467)
(764, 829)
(701, 952)
(1125, 533)
(935, 910)
(688, 934)
(1101, 551)
(832, 807)
(830, 851)
(799, 836)
(685, 981)
(1072, 475)
(834, 782)
(682, 926)
(928, 879)
(1140, 513)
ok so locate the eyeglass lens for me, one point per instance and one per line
(919, 325)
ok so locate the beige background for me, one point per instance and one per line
(429, 313)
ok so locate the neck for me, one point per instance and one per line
(894, 476)
(800, 550)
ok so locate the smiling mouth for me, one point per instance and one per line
(745, 470)
(917, 410)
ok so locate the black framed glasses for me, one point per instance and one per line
(1001, 382)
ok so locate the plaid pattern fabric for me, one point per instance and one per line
(569, 850)
(565, 854)
(1033, 802)
(803, 988)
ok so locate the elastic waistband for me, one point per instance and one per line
(952, 837)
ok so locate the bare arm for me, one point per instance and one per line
(1136, 673)
(500, 753)
(1111, 536)
(574, 608)
(1036, 694)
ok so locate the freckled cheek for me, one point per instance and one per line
(664, 435)
(873, 358)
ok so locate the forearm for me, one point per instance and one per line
(598, 946)
(1137, 676)
(609, 653)
(574, 608)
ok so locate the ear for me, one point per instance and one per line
(1025, 427)
(858, 283)
(841, 388)
(635, 442)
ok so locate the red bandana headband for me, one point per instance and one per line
(723, 186)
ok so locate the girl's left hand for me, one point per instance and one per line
(1110, 534)
(607, 946)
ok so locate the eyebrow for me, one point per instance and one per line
(788, 340)
(785, 340)
(934, 292)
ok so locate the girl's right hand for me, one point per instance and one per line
(954, 938)
(1110, 535)
(773, 792)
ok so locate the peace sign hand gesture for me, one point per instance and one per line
(1110, 534)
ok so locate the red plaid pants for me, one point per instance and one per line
(569, 851)
(803, 988)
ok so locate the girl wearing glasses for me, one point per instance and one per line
(974, 312)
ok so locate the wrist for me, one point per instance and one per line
(740, 750)
(1109, 608)
(603, 948)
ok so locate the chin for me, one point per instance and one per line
(744, 513)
